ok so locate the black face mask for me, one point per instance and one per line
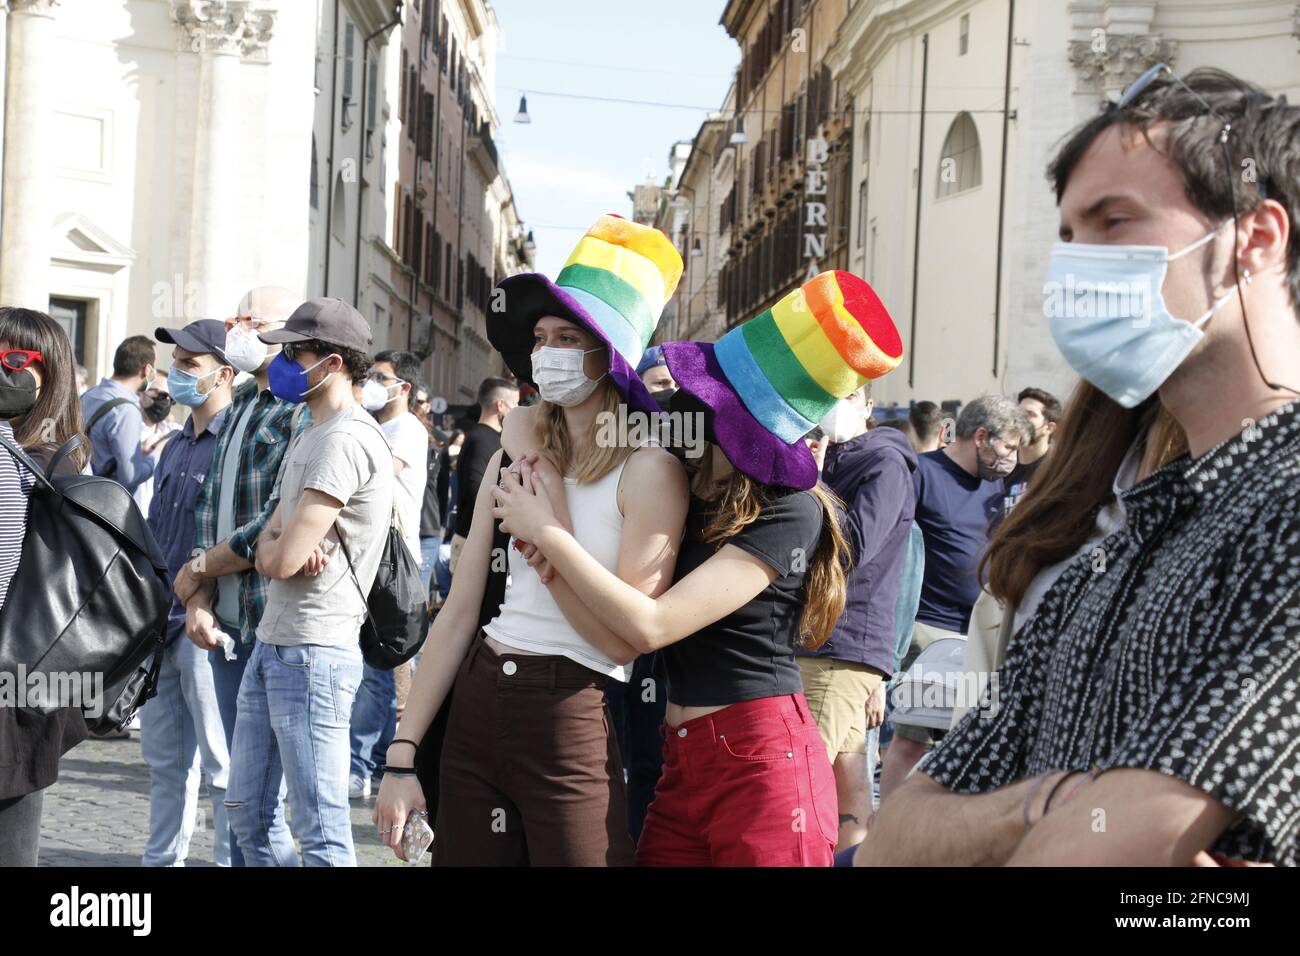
(158, 409)
(17, 392)
(664, 397)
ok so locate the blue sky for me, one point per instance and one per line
(578, 158)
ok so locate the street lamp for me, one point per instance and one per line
(522, 116)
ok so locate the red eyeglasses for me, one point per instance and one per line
(18, 359)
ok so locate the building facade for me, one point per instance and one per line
(786, 214)
(908, 142)
(349, 168)
(958, 107)
(452, 229)
(148, 185)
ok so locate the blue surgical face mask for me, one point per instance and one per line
(1108, 316)
(184, 387)
(288, 380)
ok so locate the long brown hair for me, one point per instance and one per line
(56, 416)
(1059, 511)
(739, 503)
(587, 460)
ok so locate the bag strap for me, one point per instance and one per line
(28, 463)
(365, 599)
(103, 410)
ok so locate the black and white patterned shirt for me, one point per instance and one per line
(1174, 648)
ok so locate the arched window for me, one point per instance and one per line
(959, 163)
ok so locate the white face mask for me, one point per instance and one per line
(560, 377)
(843, 422)
(244, 350)
(374, 395)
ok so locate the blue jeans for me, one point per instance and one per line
(181, 730)
(295, 707)
(227, 676)
(428, 558)
(442, 570)
(374, 721)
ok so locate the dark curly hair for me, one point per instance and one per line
(355, 364)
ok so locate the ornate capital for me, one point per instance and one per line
(40, 8)
(232, 27)
(1109, 62)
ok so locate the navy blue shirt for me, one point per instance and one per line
(177, 481)
(872, 475)
(954, 510)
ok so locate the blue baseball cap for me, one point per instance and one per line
(653, 356)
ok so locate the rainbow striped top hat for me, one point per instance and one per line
(766, 383)
(615, 284)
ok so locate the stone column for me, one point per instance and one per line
(28, 179)
(219, 32)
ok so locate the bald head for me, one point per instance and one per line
(268, 303)
(264, 309)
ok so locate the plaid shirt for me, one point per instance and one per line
(271, 427)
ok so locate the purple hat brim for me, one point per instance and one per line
(750, 447)
(530, 296)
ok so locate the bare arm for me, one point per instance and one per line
(1126, 817)
(281, 556)
(725, 582)
(452, 629)
(923, 824)
(655, 499)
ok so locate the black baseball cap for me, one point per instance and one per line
(206, 336)
(328, 319)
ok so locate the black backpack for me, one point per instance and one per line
(397, 613)
(91, 592)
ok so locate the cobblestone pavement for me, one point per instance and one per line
(97, 814)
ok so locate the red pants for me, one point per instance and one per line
(749, 785)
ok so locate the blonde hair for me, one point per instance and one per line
(586, 459)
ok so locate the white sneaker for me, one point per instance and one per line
(358, 789)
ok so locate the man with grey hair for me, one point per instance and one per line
(958, 495)
(223, 593)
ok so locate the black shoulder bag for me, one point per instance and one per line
(428, 755)
(90, 595)
(397, 616)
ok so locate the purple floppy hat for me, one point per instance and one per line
(766, 383)
(615, 285)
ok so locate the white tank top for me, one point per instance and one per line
(529, 619)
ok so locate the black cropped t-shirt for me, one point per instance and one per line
(749, 653)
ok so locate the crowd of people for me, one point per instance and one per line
(648, 652)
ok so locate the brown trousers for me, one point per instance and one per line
(530, 773)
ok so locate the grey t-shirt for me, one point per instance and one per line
(347, 458)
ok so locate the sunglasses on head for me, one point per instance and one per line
(18, 359)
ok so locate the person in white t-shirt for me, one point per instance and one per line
(387, 396)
